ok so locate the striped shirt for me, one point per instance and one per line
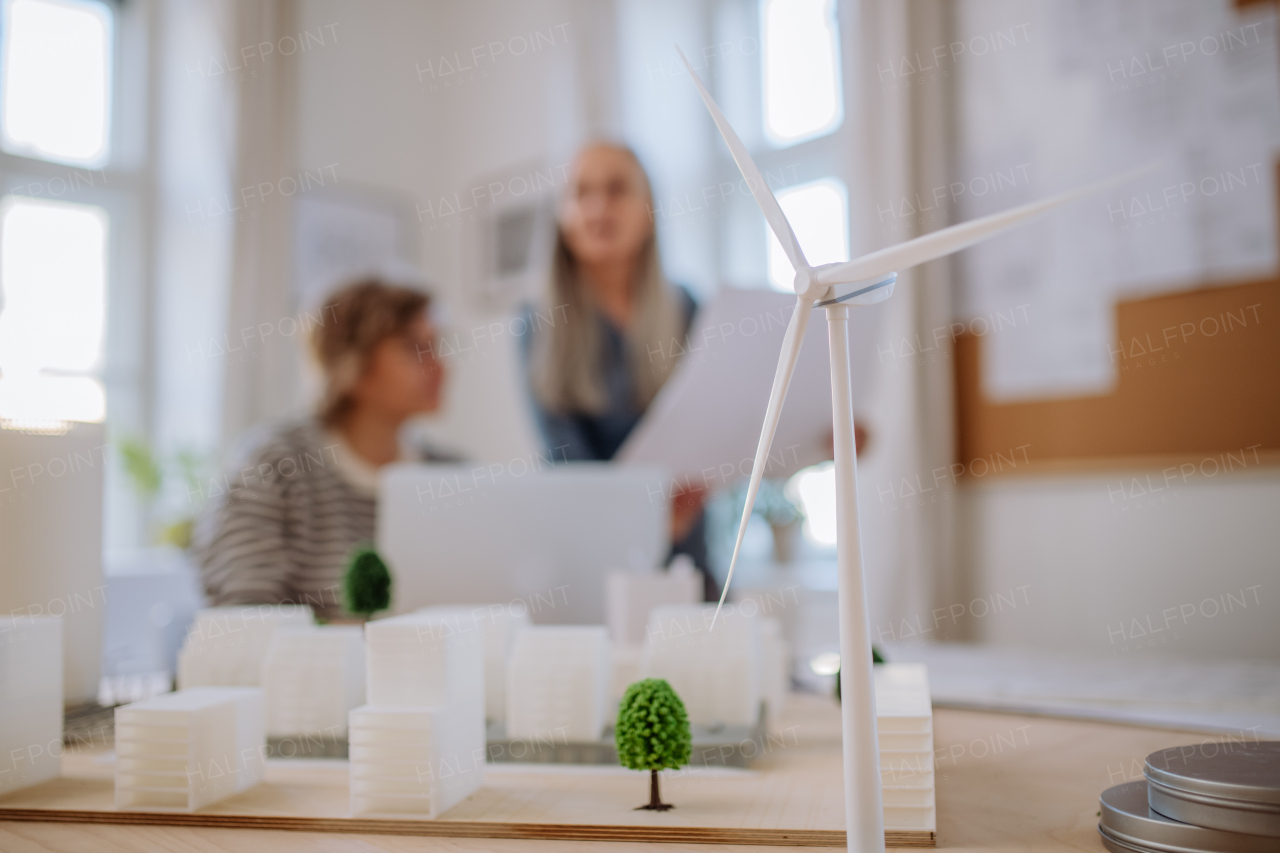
(280, 529)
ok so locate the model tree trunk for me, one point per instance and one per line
(655, 802)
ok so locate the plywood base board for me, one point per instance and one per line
(473, 829)
(792, 797)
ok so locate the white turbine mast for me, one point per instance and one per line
(836, 287)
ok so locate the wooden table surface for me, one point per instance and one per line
(1004, 782)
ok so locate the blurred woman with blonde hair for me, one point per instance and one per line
(618, 324)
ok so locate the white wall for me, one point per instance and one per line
(1126, 562)
(368, 104)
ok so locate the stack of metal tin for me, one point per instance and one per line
(1215, 797)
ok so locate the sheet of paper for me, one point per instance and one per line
(337, 238)
(705, 423)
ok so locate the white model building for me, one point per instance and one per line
(717, 674)
(626, 670)
(904, 720)
(494, 625)
(630, 596)
(311, 678)
(418, 747)
(558, 683)
(775, 669)
(225, 646)
(182, 751)
(30, 700)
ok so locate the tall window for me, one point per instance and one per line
(819, 214)
(55, 81)
(801, 70)
(54, 277)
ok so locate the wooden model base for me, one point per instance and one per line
(1004, 782)
(790, 797)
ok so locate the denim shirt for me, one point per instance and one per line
(579, 436)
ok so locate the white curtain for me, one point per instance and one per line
(906, 133)
(262, 378)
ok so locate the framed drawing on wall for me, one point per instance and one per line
(341, 235)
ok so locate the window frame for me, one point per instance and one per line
(123, 186)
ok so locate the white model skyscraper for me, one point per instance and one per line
(225, 646)
(495, 625)
(718, 674)
(30, 700)
(418, 747)
(558, 682)
(182, 751)
(312, 677)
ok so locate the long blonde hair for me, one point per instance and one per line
(567, 352)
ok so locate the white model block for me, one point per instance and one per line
(558, 683)
(413, 762)
(626, 669)
(225, 646)
(418, 747)
(418, 660)
(775, 671)
(311, 678)
(631, 596)
(30, 700)
(182, 751)
(904, 720)
(495, 625)
(717, 674)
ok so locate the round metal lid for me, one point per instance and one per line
(1246, 772)
(1129, 824)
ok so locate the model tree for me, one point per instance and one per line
(366, 586)
(652, 733)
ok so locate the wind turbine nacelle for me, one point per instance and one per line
(866, 292)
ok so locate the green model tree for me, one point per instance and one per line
(652, 733)
(367, 584)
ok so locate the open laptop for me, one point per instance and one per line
(539, 542)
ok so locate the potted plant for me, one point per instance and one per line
(783, 515)
(149, 473)
(652, 733)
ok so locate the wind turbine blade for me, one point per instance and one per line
(764, 196)
(791, 342)
(957, 237)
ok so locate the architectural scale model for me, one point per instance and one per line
(225, 646)
(904, 719)
(495, 625)
(718, 674)
(418, 747)
(312, 677)
(30, 700)
(630, 595)
(558, 682)
(182, 751)
(836, 287)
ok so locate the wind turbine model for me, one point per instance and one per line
(835, 287)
